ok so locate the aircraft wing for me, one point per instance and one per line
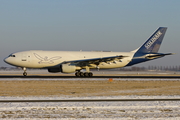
(96, 61)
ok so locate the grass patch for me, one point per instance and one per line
(87, 88)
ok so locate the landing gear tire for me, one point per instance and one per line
(90, 74)
(86, 74)
(77, 74)
(25, 73)
(81, 74)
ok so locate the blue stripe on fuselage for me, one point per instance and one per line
(138, 58)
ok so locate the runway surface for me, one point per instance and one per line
(107, 76)
(97, 74)
(91, 100)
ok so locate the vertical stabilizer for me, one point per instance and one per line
(152, 45)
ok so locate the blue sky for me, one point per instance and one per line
(111, 25)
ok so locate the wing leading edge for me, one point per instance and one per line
(96, 61)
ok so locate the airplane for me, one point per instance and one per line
(75, 61)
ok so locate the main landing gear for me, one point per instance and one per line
(85, 74)
(24, 73)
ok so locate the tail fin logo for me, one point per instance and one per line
(152, 40)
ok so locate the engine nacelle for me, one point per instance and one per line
(54, 70)
(67, 68)
(64, 68)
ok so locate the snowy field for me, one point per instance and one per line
(128, 110)
(146, 110)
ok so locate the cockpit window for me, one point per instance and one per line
(12, 56)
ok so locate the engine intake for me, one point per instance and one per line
(54, 70)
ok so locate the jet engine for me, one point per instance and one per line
(64, 68)
(54, 70)
(67, 68)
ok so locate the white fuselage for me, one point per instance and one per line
(51, 59)
(75, 61)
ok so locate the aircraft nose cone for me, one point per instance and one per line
(6, 60)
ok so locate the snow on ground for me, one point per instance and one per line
(92, 110)
(145, 110)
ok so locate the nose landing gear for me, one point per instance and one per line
(25, 73)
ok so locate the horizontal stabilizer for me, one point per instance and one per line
(153, 56)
